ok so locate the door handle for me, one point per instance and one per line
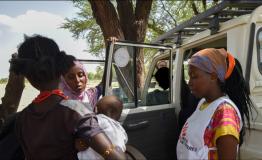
(136, 126)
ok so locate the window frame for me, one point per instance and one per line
(150, 75)
(259, 61)
(129, 44)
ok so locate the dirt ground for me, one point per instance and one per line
(30, 93)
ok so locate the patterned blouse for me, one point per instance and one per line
(225, 121)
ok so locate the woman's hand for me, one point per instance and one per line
(112, 39)
(102, 145)
(80, 144)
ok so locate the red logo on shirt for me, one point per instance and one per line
(184, 130)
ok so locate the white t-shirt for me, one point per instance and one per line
(114, 131)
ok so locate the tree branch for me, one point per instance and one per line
(126, 17)
(143, 9)
(193, 5)
(163, 6)
(106, 17)
(152, 25)
(204, 2)
(141, 18)
(183, 3)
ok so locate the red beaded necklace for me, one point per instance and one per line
(45, 94)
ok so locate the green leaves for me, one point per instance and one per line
(164, 16)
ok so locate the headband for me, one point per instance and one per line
(231, 65)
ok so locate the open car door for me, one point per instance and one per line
(149, 112)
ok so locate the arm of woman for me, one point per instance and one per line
(91, 134)
(102, 145)
(227, 129)
(227, 147)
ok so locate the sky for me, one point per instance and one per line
(36, 17)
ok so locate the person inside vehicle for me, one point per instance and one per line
(215, 130)
(74, 83)
(47, 128)
(160, 96)
(109, 109)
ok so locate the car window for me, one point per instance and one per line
(127, 77)
(159, 87)
(122, 83)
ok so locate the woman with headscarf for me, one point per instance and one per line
(215, 130)
(74, 83)
(75, 79)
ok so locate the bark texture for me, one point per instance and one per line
(126, 21)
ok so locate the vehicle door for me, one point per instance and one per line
(251, 149)
(151, 126)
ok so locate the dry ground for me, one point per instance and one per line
(30, 93)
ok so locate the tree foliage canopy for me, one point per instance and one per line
(85, 26)
(164, 16)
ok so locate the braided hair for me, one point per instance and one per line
(39, 59)
(238, 91)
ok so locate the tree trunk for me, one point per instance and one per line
(13, 93)
(125, 24)
(107, 18)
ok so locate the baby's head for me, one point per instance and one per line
(110, 106)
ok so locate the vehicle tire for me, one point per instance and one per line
(133, 153)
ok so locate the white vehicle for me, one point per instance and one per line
(153, 129)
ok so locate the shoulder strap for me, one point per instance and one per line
(77, 106)
(200, 102)
(228, 100)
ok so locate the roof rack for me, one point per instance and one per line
(210, 19)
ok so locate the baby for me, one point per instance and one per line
(108, 110)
